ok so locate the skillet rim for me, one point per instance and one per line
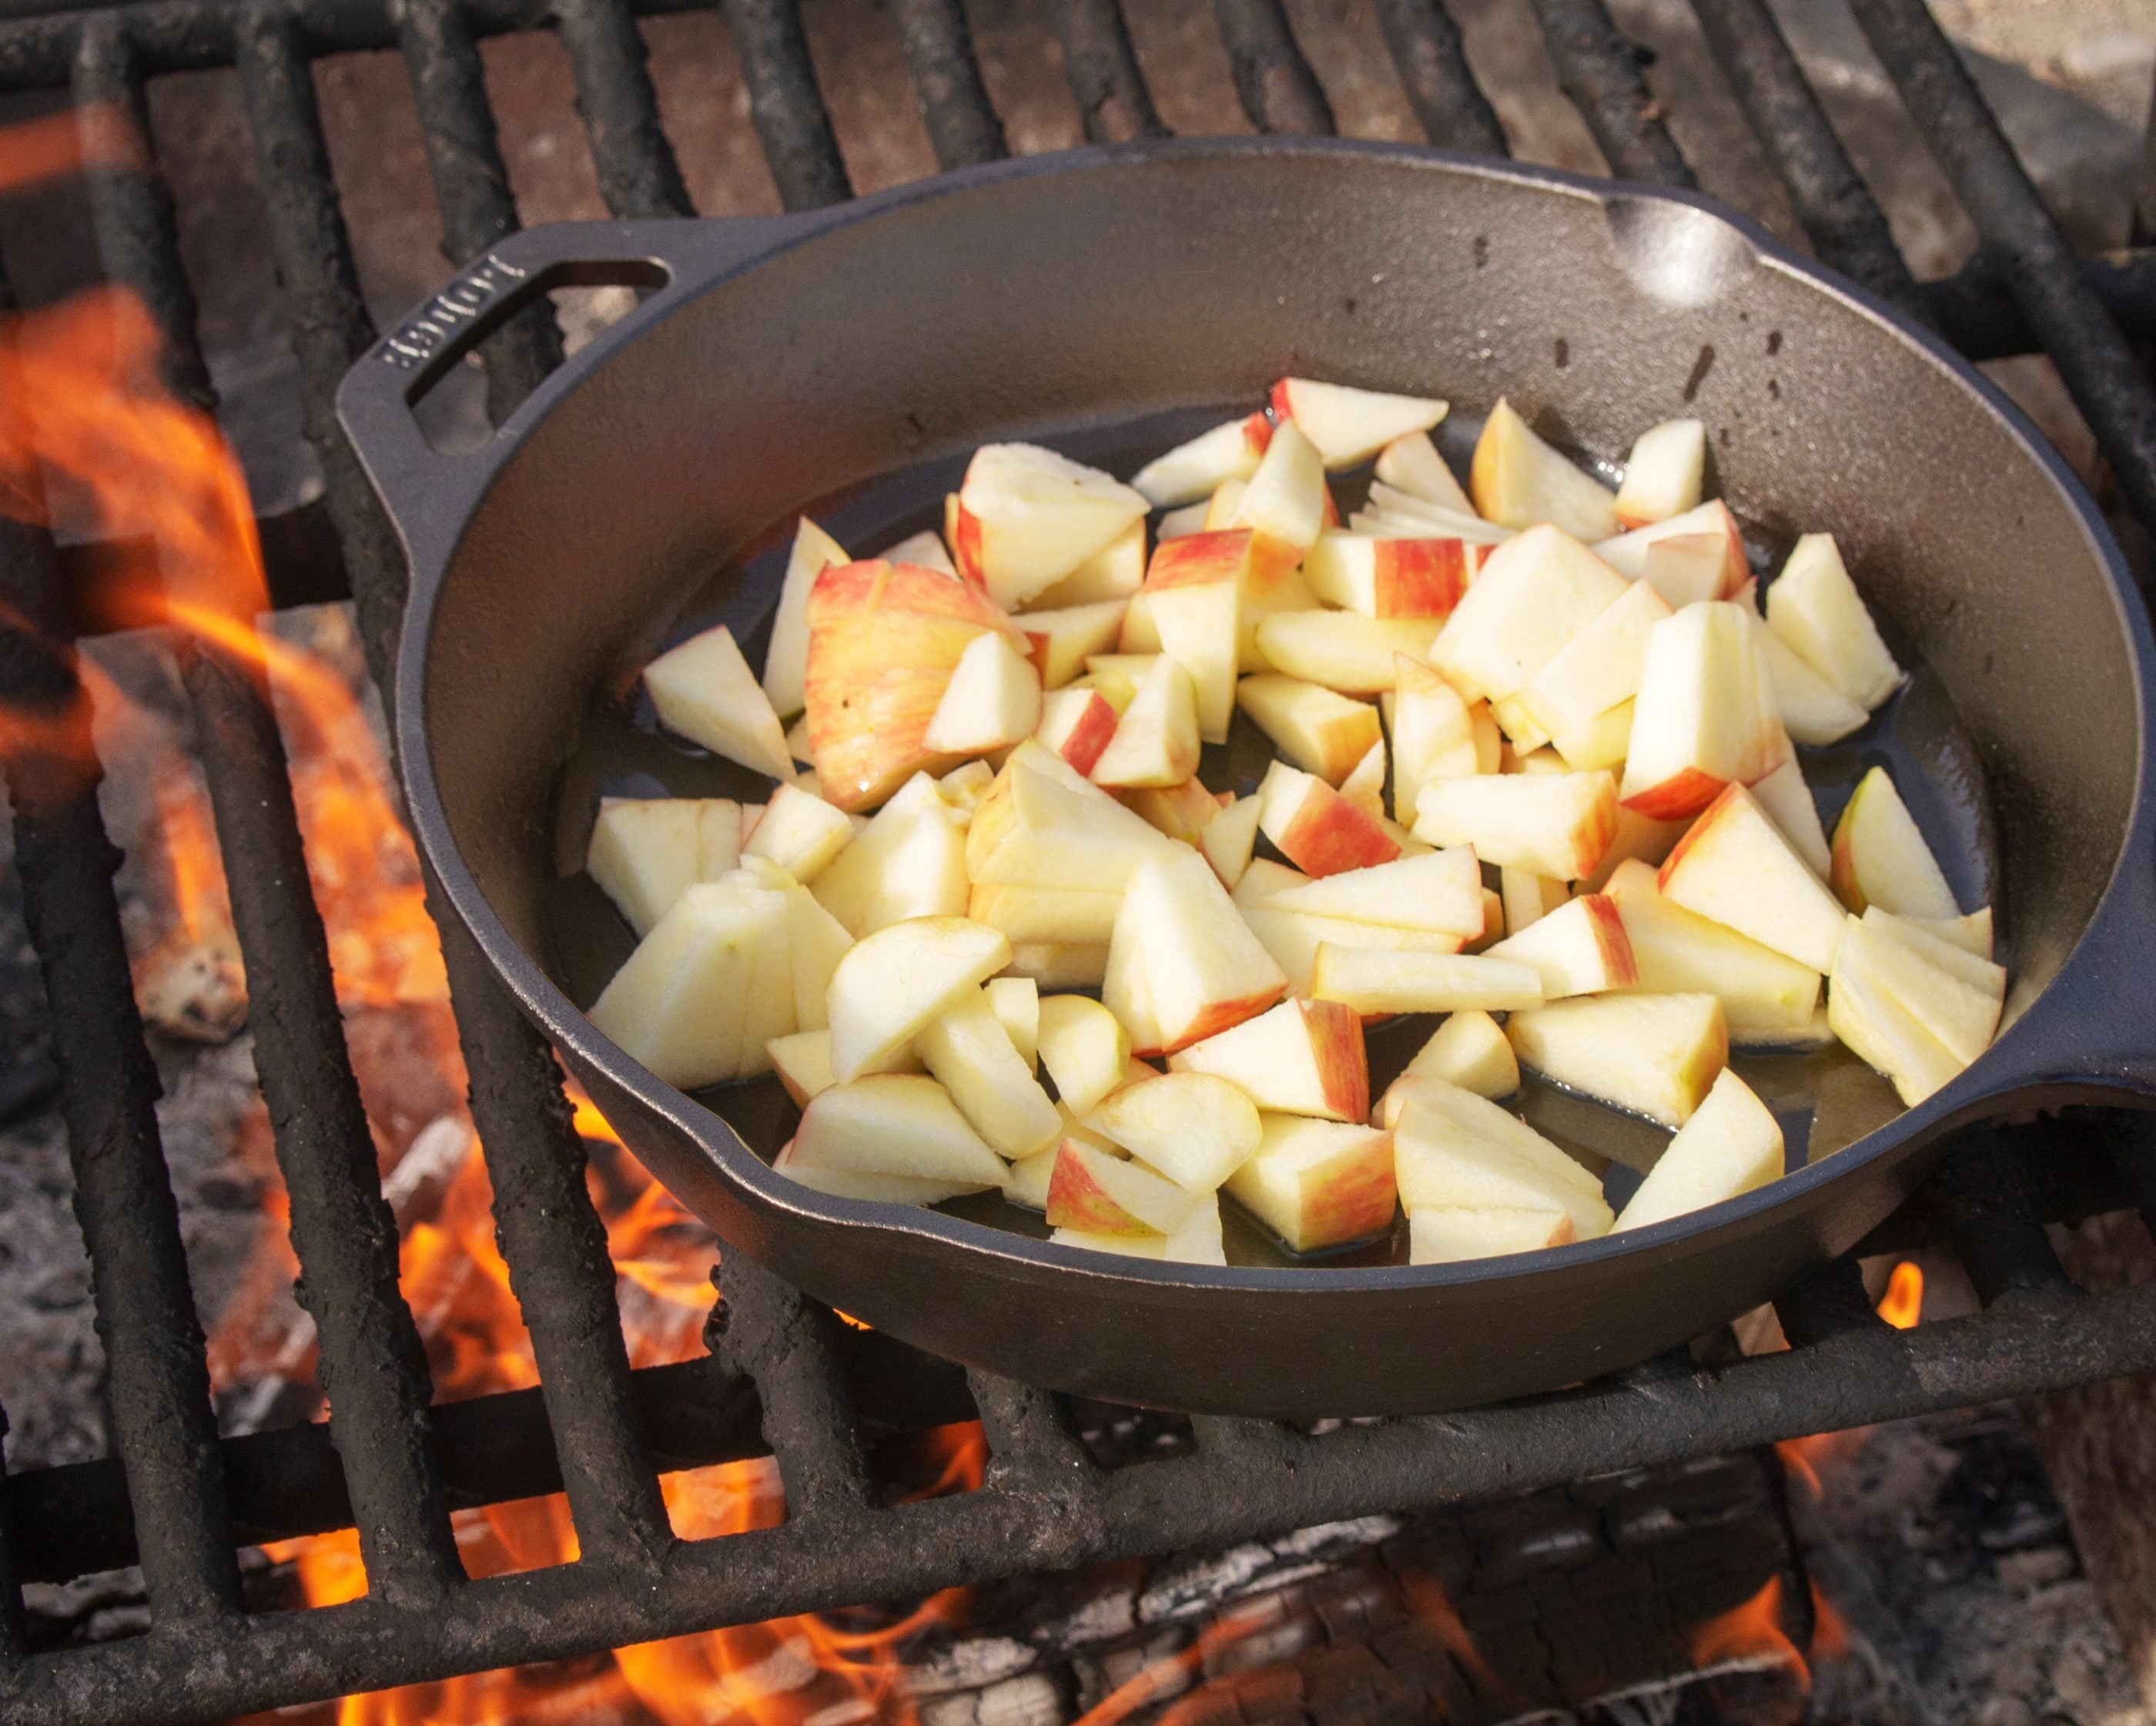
(1986, 1088)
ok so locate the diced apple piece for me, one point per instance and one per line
(1027, 517)
(1199, 629)
(1320, 732)
(1084, 1048)
(1471, 1051)
(971, 1054)
(1341, 650)
(1698, 555)
(1294, 938)
(1736, 867)
(1220, 511)
(1449, 1235)
(1181, 812)
(1579, 948)
(1528, 897)
(1115, 571)
(924, 550)
(1302, 1058)
(1031, 914)
(1179, 524)
(1971, 934)
(1768, 998)
(785, 660)
(895, 981)
(800, 833)
(1440, 890)
(1664, 475)
(1960, 1013)
(1156, 740)
(1060, 964)
(894, 1123)
(1518, 480)
(1183, 965)
(1412, 464)
(1788, 801)
(646, 852)
(1814, 712)
(1196, 1239)
(1558, 824)
(1815, 608)
(1653, 1055)
(1731, 1145)
(875, 1189)
(991, 701)
(1536, 593)
(1318, 1184)
(1880, 858)
(704, 691)
(1433, 733)
(1402, 514)
(1194, 1127)
(1316, 828)
(909, 861)
(1016, 1003)
(1638, 838)
(1599, 667)
(1285, 503)
(1046, 827)
(1077, 724)
(1346, 425)
(1374, 981)
(803, 1062)
(883, 640)
(1453, 1149)
(678, 1004)
(817, 942)
(966, 787)
(1027, 1182)
(1705, 717)
(1060, 642)
(1946, 945)
(1882, 1031)
(1386, 577)
(1229, 838)
(1099, 1193)
(1200, 468)
(1597, 744)
(1264, 878)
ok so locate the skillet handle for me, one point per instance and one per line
(429, 494)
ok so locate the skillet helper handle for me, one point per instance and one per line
(428, 493)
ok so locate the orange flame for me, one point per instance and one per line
(1752, 1634)
(1903, 1305)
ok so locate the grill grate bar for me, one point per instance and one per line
(1273, 80)
(325, 312)
(962, 121)
(1426, 47)
(1843, 219)
(2042, 1341)
(1102, 69)
(471, 183)
(2099, 367)
(1830, 1302)
(162, 1427)
(785, 104)
(558, 1267)
(1598, 68)
(638, 175)
(1992, 1221)
(373, 1368)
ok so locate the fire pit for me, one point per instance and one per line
(668, 1466)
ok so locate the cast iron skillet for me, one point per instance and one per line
(776, 362)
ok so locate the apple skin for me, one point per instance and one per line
(1677, 798)
(1359, 1205)
(962, 533)
(883, 639)
(1197, 558)
(1258, 433)
(1614, 945)
(1076, 1201)
(1420, 577)
(1081, 738)
(1336, 1041)
(1329, 835)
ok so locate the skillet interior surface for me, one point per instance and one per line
(1095, 298)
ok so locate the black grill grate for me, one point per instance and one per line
(785, 1377)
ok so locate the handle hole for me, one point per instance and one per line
(479, 379)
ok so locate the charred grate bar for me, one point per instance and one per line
(784, 1379)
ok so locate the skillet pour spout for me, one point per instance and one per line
(776, 363)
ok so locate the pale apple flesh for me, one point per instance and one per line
(1300, 1058)
(1318, 1184)
(1651, 1054)
(1194, 1128)
(1316, 828)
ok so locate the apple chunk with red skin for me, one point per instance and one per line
(1099, 1193)
(1318, 1184)
(1060, 642)
(1302, 1058)
(1536, 593)
(1183, 965)
(1078, 724)
(1194, 1127)
(883, 640)
(1197, 469)
(1027, 516)
(1736, 867)
(1383, 576)
(1705, 716)
(1347, 425)
(1321, 732)
(1316, 828)
(1579, 948)
(1518, 480)
(1879, 856)
(1698, 555)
